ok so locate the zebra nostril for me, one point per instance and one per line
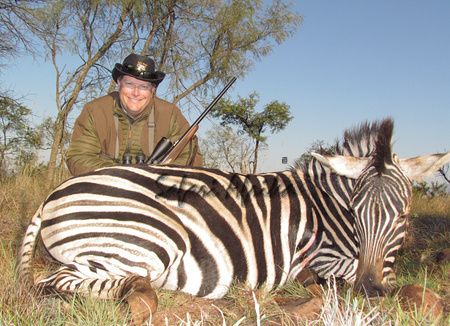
(378, 292)
(371, 291)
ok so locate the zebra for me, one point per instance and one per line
(120, 232)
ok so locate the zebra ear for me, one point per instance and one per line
(420, 167)
(348, 166)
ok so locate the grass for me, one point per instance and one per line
(429, 232)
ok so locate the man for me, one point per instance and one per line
(126, 124)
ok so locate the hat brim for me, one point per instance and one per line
(118, 71)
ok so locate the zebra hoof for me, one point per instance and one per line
(142, 300)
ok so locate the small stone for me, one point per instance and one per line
(443, 256)
(307, 277)
(417, 298)
(305, 309)
(315, 290)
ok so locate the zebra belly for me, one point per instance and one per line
(109, 239)
(122, 238)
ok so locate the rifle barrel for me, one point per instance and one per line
(214, 102)
(196, 123)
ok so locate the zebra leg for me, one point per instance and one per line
(76, 278)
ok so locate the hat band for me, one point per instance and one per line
(138, 72)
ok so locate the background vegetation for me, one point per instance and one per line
(198, 43)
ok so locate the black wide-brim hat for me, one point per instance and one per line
(139, 67)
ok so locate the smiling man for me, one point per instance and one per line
(123, 127)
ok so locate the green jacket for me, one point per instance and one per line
(95, 136)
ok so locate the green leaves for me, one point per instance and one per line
(275, 116)
(18, 141)
(241, 113)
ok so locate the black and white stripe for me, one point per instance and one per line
(198, 230)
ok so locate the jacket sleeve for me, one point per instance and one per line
(84, 153)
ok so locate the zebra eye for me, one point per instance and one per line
(404, 216)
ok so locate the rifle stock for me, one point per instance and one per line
(170, 153)
(179, 146)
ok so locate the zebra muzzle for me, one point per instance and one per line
(369, 279)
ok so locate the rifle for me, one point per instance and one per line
(165, 152)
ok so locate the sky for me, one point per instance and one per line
(349, 62)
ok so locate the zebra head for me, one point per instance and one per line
(380, 197)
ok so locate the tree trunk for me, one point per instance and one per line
(64, 111)
(255, 158)
(57, 139)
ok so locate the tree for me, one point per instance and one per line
(318, 146)
(224, 149)
(229, 37)
(444, 172)
(96, 27)
(18, 141)
(194, 42)
(13, 34)
(438, 190)
(423, 189)
(241, 113)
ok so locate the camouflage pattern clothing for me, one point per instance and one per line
(98, 142)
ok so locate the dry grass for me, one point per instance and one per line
(429, 233)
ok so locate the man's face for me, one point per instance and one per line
(134, 95)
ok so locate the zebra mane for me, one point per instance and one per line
(365, 140)
(374, 140)
(368, 140)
